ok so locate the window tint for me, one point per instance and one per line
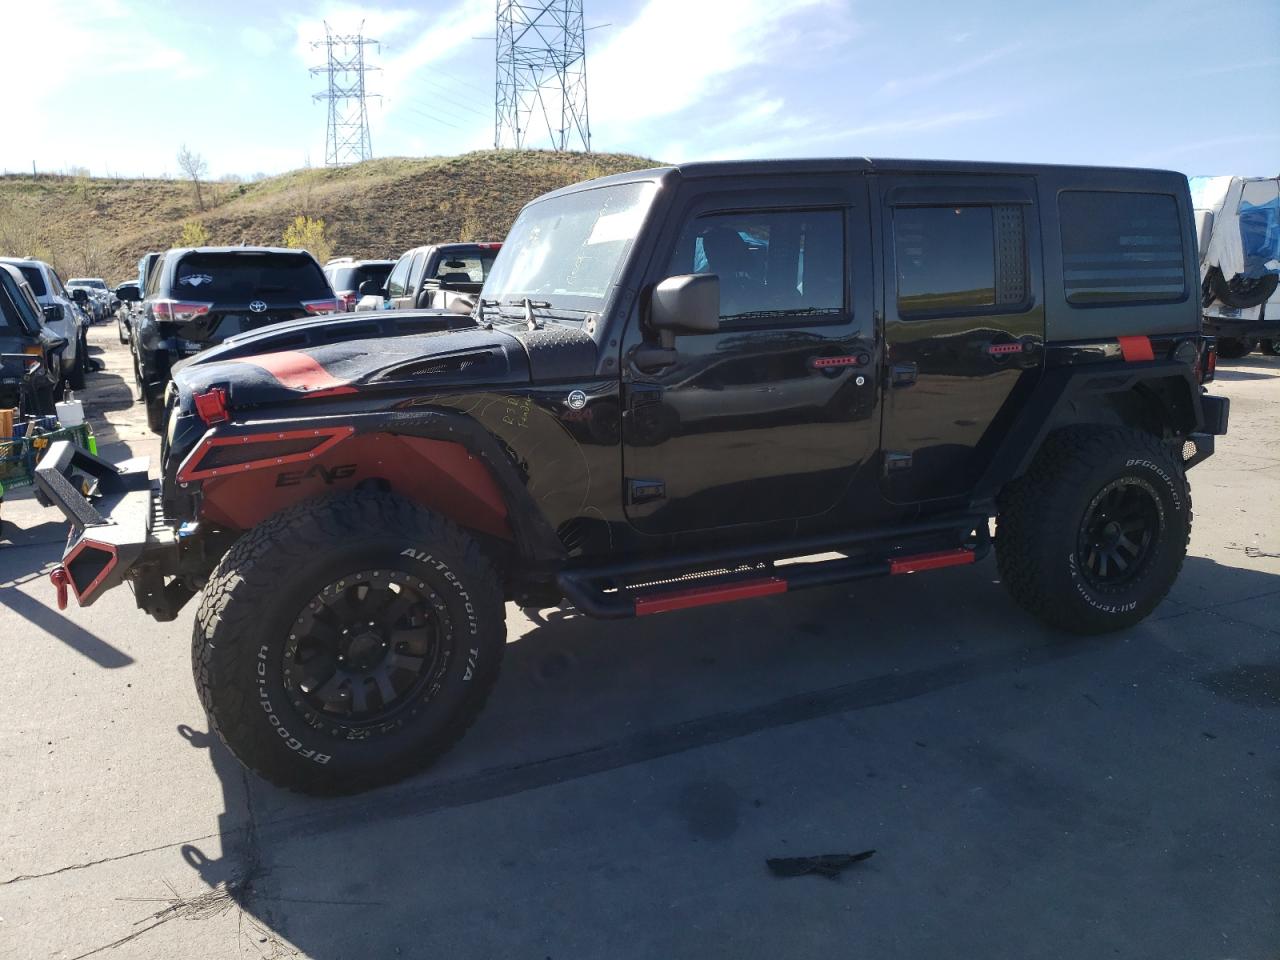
(470, 268)
(396, 281)
(1121, 248)
(959, 259)
(13, 318)
(35, 278)
(350, 278)
(771, 265)
(241, 277)
(154, 272)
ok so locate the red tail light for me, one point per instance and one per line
(347, 302)
(179, 311)
(489, 246)
(212, 406)
(320, 306)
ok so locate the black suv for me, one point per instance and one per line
(682, 386)
(195, 298)
(30, 353)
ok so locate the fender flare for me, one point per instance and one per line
(1058, 390)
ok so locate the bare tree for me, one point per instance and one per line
(194, 168)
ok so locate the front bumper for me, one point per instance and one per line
(117, 532)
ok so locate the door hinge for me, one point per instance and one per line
(643, 395)
(645, 491)
(902, 374)
(895, 462)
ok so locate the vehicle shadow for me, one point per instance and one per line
(580, 698)
(36, 560)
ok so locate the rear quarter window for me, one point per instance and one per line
(35, 278)
(241, 277)
(1121, 248)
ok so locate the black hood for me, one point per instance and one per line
(270, 366)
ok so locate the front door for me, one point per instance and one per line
(770, 417)
(964, 326)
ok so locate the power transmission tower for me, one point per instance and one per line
(542, 75)
(347, 128)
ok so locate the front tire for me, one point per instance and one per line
(76, 376)
(1271, 347)
(1093, 536)
(348, 642)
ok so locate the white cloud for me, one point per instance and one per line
(922, 81)
(677, 53)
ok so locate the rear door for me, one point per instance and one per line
(964, 325)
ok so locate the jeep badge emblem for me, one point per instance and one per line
(258, 306)
(577, 400)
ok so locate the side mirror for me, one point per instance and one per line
(686, 304)
(80, 295)
(372, 288)
(54, 313)
(128, 293)
(56, 344)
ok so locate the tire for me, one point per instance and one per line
(155, 412)
(1241, 291)
(1271, 347)
(250, 653)
(1231, 348)
(1047, 519)
(120, 330)
(76, 376)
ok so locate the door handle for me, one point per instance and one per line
(903, 374)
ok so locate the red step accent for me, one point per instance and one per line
(931, 561)
(1135, 349)
(704, 596)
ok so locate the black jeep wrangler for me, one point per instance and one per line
(675, 380)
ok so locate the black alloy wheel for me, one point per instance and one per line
(365, 649)
(1118, 532)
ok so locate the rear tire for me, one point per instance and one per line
(76, 376)
(1271, 347)
(1231, 348)
(1093, 536)
(282, 681)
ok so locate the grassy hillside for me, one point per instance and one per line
(379, 208)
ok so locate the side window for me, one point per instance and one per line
(416, 271)
(1121, 248)
(153, 277)
(55, 284)
(955, 260)
(399, 276)
(773, 265)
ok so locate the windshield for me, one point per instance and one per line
(570, 249)
(350, 278)
(87, 282)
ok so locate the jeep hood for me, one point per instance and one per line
(292, 362)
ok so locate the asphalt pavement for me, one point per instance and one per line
(1027, 793)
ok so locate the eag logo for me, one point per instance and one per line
(291, 478)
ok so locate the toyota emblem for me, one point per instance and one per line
(258, 306)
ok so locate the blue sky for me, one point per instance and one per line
(118, 85)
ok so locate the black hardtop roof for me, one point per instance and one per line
(820, 165)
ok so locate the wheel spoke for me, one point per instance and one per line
(402, 661)
(359, 697)
(1121, 563)
(1124, 543)
(331, 690)
(1102, 564)
(386, 689)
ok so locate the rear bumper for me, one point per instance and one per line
(114, 534)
